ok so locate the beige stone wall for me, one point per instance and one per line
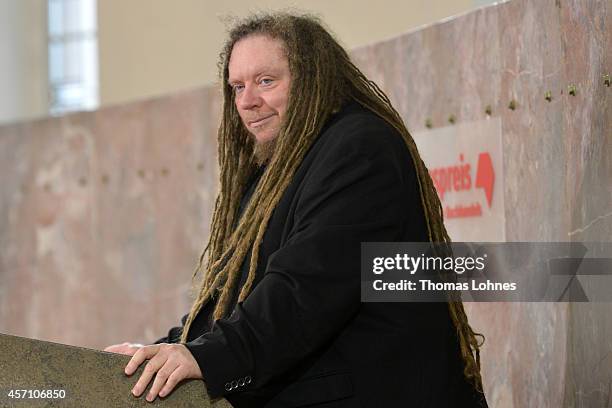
(23, 59)
(152, 47)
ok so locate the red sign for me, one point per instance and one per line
(458, 177)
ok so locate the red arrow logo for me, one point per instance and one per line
(485, 176)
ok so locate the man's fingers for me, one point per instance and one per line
(126, 349)
(130, 351)
(113, 348)
(155, 362)
(144, 353)
(176, 377)
(162, 376)
(172, 363)
(149, 371)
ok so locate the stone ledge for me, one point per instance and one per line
(90, 378)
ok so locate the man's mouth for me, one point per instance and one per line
(259, 121)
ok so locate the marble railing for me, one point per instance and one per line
(43, 374)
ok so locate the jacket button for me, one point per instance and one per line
(241, 382)
(248, 379)
(228, 386)
(234, 384)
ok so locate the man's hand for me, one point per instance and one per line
(124, 348)
(172, 363)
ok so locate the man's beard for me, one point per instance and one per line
(263, 151)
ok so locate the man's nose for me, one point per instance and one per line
(249, 98)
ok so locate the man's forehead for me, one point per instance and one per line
(255, 55)
(252, 69)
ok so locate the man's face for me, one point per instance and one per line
(259, 74)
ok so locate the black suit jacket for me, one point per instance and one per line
(302, 337)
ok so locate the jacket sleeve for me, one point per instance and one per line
(353, 193)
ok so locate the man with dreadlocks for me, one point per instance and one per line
(314, 160)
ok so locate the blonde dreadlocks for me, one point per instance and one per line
(324, 78)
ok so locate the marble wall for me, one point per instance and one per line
(103, 214)
(557, 166)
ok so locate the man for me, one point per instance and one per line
(314, 160)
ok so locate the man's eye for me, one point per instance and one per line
(265, 81)
(237, 88)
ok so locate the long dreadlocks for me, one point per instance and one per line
(324, 78)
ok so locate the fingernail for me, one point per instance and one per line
(162, 394)
(150, 398)
(134, 391)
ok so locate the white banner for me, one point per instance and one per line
(465, 163)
